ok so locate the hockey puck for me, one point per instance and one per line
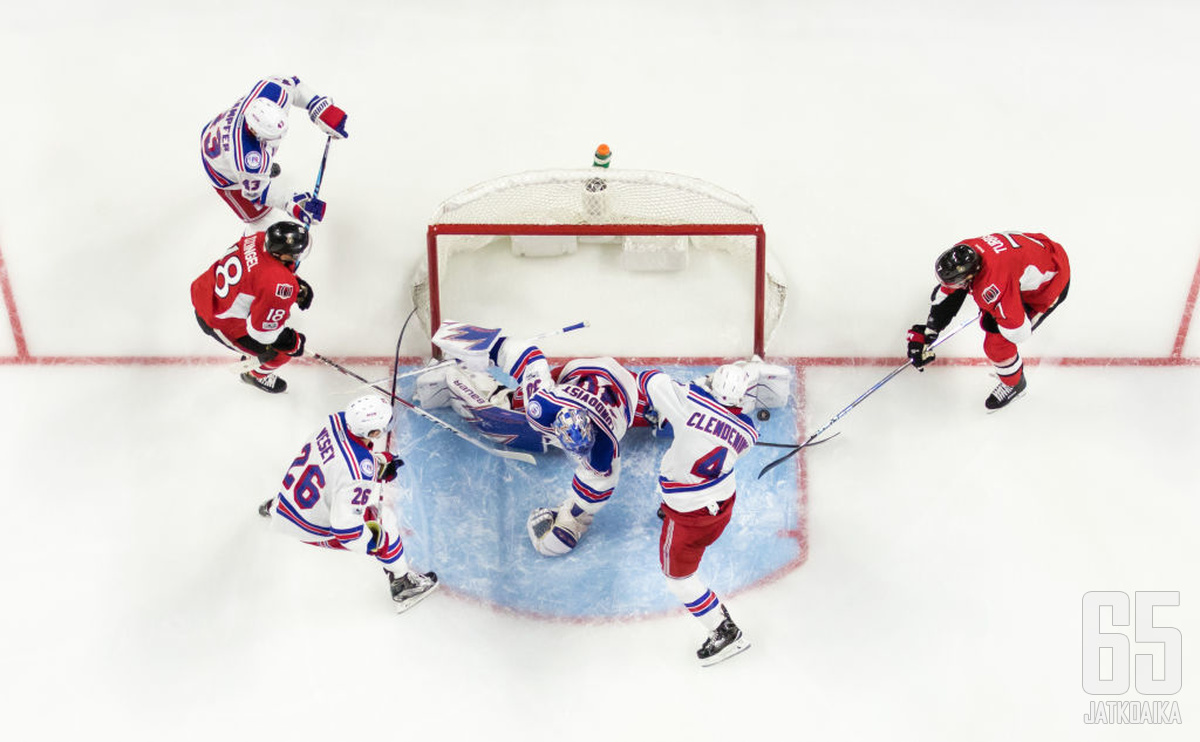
(764, 415)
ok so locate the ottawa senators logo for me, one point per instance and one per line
(283, 290)
(991, 294)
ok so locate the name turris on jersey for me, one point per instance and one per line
(719, 429)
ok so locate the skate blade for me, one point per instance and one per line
(412, 602)
(736, 648)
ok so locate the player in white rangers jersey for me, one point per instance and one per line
(697, 487)
(332, 496)
(238, 147)
(585, 408)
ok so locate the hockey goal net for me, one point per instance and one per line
(669, 265)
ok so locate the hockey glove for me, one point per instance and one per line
(920, 342)
(389, 467)
(304, 295)
(474, 346)
(289, 342)
(306, 208)
(329, 117)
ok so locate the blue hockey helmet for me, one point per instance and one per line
(574, 430)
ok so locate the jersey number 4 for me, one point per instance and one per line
(306, 489)
(709, 465)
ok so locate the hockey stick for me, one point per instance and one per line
(810, 442)
(396, 359)
(321, 170)
(794, 445)
(513, 455)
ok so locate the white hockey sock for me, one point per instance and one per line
(1010, 373)
(399, 567)
(698, 599)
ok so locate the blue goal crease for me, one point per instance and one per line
(467, 510)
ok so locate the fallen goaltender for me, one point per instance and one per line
(497, 412)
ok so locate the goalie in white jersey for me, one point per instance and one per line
(332, 496)
(237, 149)
(711, 429)
(585, 408)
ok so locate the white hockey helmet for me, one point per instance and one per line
(574, 430)
(730, 384)
(266, 119)
(368, 414)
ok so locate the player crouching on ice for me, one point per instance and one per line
(584, 407)
(1017, 279)
(332, 496)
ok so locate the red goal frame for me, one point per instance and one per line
(602, 230)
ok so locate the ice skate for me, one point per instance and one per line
(270, 383)
(1003, 394)
(411, 588)
(265, 509)
(723, 643)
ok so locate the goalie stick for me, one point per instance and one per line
(502, 453)
(811, 441)
(450, 361)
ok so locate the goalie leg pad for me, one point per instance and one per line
(486, 404)
(470, 389)
(432, 391)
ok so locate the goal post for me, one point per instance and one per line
(659, 222)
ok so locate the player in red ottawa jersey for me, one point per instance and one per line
(1017, 279)
(243, 300)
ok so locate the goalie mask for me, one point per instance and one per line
(367, 415)
(574, 430)
(730, 384)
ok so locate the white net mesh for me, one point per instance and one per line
(611, 208)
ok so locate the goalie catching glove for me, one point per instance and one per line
(920, 345)
(475, 346)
